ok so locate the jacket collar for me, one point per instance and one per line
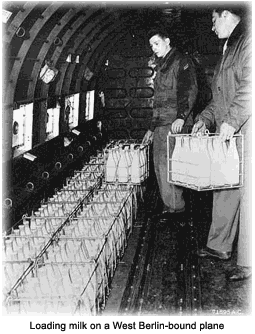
(236, 33)
(239, 30)
(163, 63)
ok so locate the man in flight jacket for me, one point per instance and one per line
(175, 91)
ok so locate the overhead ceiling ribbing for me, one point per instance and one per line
(81, 28)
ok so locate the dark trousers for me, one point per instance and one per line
(171, 195)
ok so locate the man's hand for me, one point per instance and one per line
(177, 125)
(226, 132)
(148, 137)
(198, 127)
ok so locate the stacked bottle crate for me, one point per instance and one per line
(205, 162)
(126, 161)
(63, 257)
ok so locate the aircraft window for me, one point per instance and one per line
(72, 110)
(22, 129)
(90, 98)
(52, 125)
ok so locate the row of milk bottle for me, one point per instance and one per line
(205, 161)
(126, 163)
(65, 281)
(27, 240)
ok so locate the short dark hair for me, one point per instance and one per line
(239, 10)
(160, 31)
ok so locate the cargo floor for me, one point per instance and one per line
(160, 273)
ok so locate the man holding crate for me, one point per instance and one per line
(175, 91)
(230, 111)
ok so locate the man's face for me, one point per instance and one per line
(160, 46)
(220, 24)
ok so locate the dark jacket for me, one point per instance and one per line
(175, 89)
(231, 85)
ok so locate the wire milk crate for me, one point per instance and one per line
(62, 258)
(126, 161)
(72, 271)
(69, 267)
(203, 162)
(60, 287)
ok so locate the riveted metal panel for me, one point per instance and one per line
(118, 133)
(115, 73)
(82, 44)
(139, 72)
(116, 113)
(135, 54)
(65, 75)
(137, 121)
(68, 35)
(141, 92)
(141, 112)
(116, 103)
(48, 13)
(45, 48)
(116, 93)
(18, 19)
(138, 133)
(100, 46)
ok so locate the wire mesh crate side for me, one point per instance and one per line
(111, 253)
(105, 249)
(115, 233)
(24, 306)
(29, 249)
(126, 213)
(117, 142)
(53, 222)
(94, 240)
(13, 282)
(55, 271)
(73, 283)
(128, 205)
(144, 149)
(11, 273)
(135, 168)
(83, 249)
(45, 244)
(116, 186)
(186, 170)
(113, 208)
(92, 173)
(66, 195)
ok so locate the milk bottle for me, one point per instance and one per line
(111, 166)
(204, 170)
(218, 160)
(232, 167)
(123, 170)
(186, 159)
(142, 162)
(195, 162)
(135, 167)
(128, 158)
